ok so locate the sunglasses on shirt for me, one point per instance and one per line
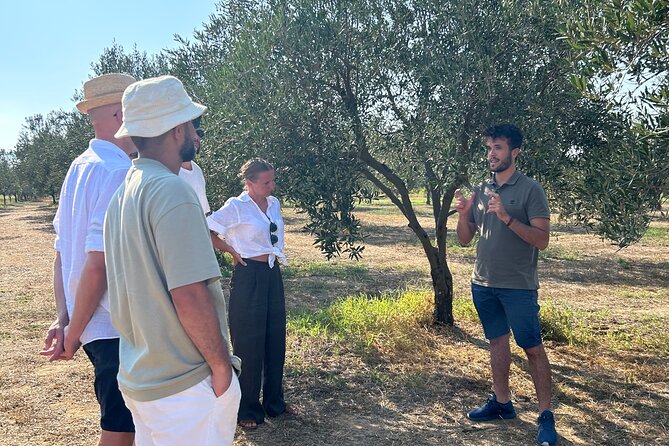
(272, 236)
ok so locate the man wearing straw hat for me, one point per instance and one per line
(80, 281)
(176, 370)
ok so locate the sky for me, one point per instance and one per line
(47, 47)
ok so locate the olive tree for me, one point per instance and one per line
(621, 58)
(355, 97)
(46, 147)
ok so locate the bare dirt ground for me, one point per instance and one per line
(603, 396)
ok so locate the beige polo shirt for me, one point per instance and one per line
(157, 239)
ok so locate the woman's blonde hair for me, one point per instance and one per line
(251, 169)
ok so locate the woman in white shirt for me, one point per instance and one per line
(252, 228)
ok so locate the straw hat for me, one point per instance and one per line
(104, 90)
(153, 106)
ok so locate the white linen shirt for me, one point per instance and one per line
(91, 180)
(195, 178)
(246, 228)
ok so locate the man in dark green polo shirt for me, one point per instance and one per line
(510, 212)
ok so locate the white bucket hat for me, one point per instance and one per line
(104, 90)
(153, 106)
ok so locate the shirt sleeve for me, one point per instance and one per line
(537, 203)
(94, 238)
(56, 222)
(222, 220)
(184, 246)
(202, 195)
(204, 202)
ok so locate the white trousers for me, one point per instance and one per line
(191, 417)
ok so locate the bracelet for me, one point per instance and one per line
(510, 221)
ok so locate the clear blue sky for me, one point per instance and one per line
(47, 47)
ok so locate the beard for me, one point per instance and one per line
(503, 164)
(187, 150)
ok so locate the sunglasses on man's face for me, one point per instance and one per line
(200, 133)
(272, 236)
(196, 122)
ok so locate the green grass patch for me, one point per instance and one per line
(388, 323)
(624, 264)
(463, 308)
(559, 252)
(642, 294)
(453, 246)
(561, 323)
(648, 334)
(398, 324)
(323, 268)
(383, 206)
(24, 299)
(656, 237)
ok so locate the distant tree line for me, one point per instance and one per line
(355, 99)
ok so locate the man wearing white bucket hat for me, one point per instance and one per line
(176, 370)
(80, 283)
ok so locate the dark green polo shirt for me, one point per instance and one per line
(504, 260)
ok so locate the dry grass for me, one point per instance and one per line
(608, 390)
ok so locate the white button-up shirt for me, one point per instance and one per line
(247, 229)
(91, 180)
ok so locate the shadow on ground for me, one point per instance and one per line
(41, 220)
(387, 402)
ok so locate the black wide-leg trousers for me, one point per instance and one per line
(257, 316)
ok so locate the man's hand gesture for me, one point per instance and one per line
(463, 204)
(495, 206)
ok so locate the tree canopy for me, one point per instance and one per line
(380, 96)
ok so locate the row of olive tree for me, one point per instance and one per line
(352, 98)
(47, 144)
(9, 185)
(45, 148)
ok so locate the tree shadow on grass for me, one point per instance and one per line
(605, 271)
(316, 290)
(567, 228)
(372, 399)
(385, 235)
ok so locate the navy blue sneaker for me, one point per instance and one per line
(492, 410)
(546, 435)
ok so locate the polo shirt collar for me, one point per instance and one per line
(511, 181)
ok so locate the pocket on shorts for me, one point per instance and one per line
(233, 391)
(233, 388)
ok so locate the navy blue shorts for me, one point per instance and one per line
(114, 416)
(504, 309)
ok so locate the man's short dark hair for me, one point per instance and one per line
(510, 132)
